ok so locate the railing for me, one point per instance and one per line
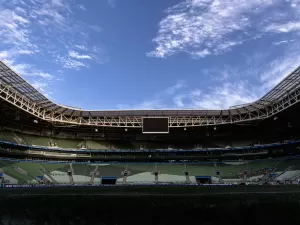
(246, 148)
(51, 161)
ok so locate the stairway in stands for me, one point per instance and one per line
(48, 173)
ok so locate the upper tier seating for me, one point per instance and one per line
(35, 140)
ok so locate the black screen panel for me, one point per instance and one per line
(156, 125)
(108, 180)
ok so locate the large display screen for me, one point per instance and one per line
(156, 125)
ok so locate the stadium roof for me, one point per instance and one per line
(16, 83)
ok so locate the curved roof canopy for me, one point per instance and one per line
(16, 83)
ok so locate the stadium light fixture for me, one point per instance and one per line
(185, 128)
(96, 130)
(35, 121)
(126, 129)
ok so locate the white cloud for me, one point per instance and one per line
(56, 13)
(294, 3)
(46, 76)
(25, 52)
(216, 97)
(76, 55)
(38, 78)
(202, 53)
(20, 10)
(3, 55)
(43, 87)
(27, 70)
(20, 69)
(23, 69)
(240, 87)
(284, 27)
(13, 28)
(278, 69)
(74, 60)
(70, 63)
(229, 85)
(222, 74)
(195, 93)
(173, 89)
(40, 85)
(82, 7)
(283, 42)
(226, 95)
(178, 100)
(58, 3)
(10, 55)
(212, 27)
(44, 30)
(81, 47)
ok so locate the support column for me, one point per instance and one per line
(93, 174)
(186, 174)
(125, 173)
(70, 174)
(155, 172)
(218, 174)
(44, 177)
(245, 176)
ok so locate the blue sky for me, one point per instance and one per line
(151, 54)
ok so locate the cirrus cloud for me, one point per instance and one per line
(212, 27)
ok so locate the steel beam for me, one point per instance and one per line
(14, 98)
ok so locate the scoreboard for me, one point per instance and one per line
(155, 125)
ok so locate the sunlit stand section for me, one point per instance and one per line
(125, 173)
(268, 175)
(46, 173)
(186, 174)
(70, 174)
(42, 179)
(94, 173)
(155, 172)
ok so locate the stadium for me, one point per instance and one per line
(46, 143)
(117, 112)
(187, 165)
